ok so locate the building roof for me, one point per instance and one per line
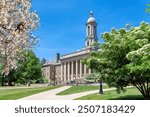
(51, 63)
(78, 53)
(91, 19)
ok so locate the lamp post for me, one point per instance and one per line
(101, 87)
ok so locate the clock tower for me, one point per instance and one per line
(91, 31)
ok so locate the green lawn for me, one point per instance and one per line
(131, 94)
(78, 89)
(13, 94)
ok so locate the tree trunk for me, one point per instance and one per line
(3, 81)
(29, 82)
(146, 94)
(54, 83)
(9, 82)
(100, 87)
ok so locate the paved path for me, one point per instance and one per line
(51, 94)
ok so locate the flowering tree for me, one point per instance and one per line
(17, 23)
(124, 58)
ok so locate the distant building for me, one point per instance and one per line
(69, 68)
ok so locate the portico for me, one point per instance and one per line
(72, 68)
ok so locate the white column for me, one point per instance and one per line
(84, 70)
(68, 71)
(80, 69)
(76, 69)
(72, 70)
(64, 71)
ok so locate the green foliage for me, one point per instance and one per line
(148, 8)
(124, 58)
(28, 70)
(94, 77)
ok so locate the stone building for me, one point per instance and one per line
(51, 70)
(69, 68)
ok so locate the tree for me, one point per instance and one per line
(124, 58)
(148, 8)
(17, 23)
(139, 69)
(29, 69)
(1, 77)
(95, 77)
(91, 78)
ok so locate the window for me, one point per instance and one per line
(87, 43)
(94, 30)
(88, 30)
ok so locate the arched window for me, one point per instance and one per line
(87, 43)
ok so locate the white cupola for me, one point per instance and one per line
(91, 31)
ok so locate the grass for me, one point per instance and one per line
(131, 94)
(79, 89)
(13, 94)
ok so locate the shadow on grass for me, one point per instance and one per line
(129, 97)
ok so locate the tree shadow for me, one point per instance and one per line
(129, 97)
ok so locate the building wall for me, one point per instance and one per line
(46, 72)
(49, 72)
(58, 73)
(70, 69)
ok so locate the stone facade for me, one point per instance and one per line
(69, 68)
(48, 71)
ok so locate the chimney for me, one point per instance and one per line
(58, 57)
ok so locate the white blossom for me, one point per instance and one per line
(17, 22)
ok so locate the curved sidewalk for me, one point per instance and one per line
(51, 95)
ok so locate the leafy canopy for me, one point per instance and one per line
(124, 58)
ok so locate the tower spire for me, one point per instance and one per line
(91, 13)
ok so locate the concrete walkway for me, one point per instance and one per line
(51, 95)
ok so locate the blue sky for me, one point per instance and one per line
(63, 21)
